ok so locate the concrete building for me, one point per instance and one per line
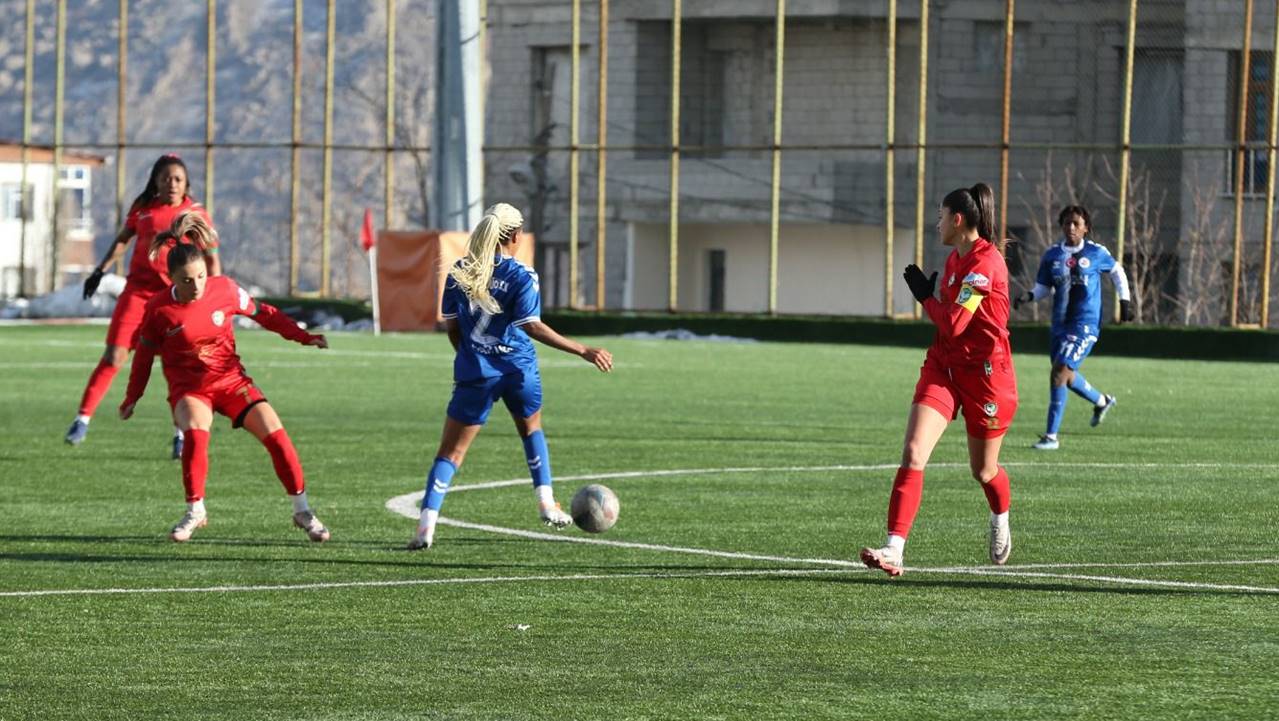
(30, 261)
(1067, 92)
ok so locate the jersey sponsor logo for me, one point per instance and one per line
(991, 409)
(498, 285)
(976, 280)
(218, 317)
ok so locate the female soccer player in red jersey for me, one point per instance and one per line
(153, 211)
(189, 327)
(969, 367)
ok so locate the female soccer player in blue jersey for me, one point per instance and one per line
(492, 307)
(1071, 273)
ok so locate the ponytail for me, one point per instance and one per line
(977, 206)
(985, 199)
(191, 226)
(474, 273)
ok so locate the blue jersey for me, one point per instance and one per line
(1074, 274)
(494, 345)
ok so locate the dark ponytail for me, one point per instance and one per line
(977, 206)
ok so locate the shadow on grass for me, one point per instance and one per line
(995, 583)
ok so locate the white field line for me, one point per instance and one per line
(1122, 580)
(843, 467)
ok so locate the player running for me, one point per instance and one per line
(969, 366)
(190, 327)
(1071, 272)
(165, 198)
(492, 307)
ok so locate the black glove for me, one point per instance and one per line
(1126, 313)
(91, 283)
(1027, 297)
(921, 286)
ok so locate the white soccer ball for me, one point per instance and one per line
(595, 508)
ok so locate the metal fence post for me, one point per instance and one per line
(673, 298)
(601, 158)
(1245, 69)
(890, 159)
(776, 190)
(1125, 137)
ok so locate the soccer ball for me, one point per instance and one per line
(595, 508)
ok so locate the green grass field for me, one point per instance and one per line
(1144, 581)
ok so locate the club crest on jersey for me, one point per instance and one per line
(991, 409)
(1084, 262)
(218, 318)
(1070, 262)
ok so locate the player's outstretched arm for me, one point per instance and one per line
(139, 375)
(276, 321)
(542, 332)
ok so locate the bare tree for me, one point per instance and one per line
(1146, 264)
(1204, 243)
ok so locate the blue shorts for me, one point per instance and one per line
(472, 400)
(1070, 348)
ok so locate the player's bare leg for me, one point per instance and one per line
(113, 359)
(539, 465)
(263, 422)
(983, 460)
(195, 418)
(455, 441)
(924, 429)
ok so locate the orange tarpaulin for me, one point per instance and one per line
(411, 268)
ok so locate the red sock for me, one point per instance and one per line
(903, 502)
(285, 458)
(195, 463)
(99, 383)
(997, 493)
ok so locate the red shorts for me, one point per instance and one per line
(987, 394)
(126, 319)
(232, 398)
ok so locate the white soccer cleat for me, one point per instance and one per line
(187, 526)
(315, 530)
(1001, 539)
(421, 540)
(885, 559)
(1046, 443)
(555, 517)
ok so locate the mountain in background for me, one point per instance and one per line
(166, 111)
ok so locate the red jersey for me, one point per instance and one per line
(972, 314)
(147, 222)
(195, 340)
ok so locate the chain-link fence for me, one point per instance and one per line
(1158, 115)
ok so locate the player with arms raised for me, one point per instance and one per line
(165, 198)
(969, 367)
(190, 327)
(1070, 272)
(492, 309)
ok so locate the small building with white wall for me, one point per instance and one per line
(31, 262)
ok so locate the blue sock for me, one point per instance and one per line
(1056, 405)
(539, 458)
(437, 484)
(1081, 388)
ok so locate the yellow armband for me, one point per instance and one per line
(969, 298)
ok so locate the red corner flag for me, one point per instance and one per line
(366, 231)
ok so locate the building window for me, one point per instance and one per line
(12, 206)
(988, 46)
(1156, 96)
(703, 88)
(1256, 120)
